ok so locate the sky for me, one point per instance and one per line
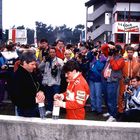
(50, 12)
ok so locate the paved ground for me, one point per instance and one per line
(8, 109)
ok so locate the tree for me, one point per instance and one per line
(50, 33)
(80, 27)
(30, 36)
(21, 27)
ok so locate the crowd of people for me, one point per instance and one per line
(66, 75)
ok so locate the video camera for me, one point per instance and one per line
(129, 88)
(117, 49)
(45, 54)
(96, 53)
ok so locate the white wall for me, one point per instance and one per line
(20, 128)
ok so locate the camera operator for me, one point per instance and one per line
(132, 95)
(85, 55)
(51, 77)
(112, 74)
(94, 79)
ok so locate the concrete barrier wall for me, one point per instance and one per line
(20, 128)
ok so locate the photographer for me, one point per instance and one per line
(51, 77)
(94, 79)
(132, 95)
(112, 74)
(84, 58)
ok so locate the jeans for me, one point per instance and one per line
(112, 92)
(104, 91)
(50, 91)
(96, 95)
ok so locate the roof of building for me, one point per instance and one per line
(92, 2)
(132, 1)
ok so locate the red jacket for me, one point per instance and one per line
(60, 53)
(131, 67)
(117, 64)
(75, 96)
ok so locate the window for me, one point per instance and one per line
(135, 38)
(123, 16)
(128, 16)
(135, 16)
(120, 38)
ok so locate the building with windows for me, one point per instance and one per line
(113, 20)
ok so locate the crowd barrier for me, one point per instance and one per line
(20, 128)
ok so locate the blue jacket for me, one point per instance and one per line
(96, 67)
(2, 61)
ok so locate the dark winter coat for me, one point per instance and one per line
(24, 88)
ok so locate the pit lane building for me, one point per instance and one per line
(113, 20)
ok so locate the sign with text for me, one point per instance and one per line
(18, 35)
(128, 27)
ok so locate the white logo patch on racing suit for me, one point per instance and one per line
(80, 97)
(70, 95)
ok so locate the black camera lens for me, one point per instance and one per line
(111, 52)
(95, 53)
(54, 71)
(130, 88)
